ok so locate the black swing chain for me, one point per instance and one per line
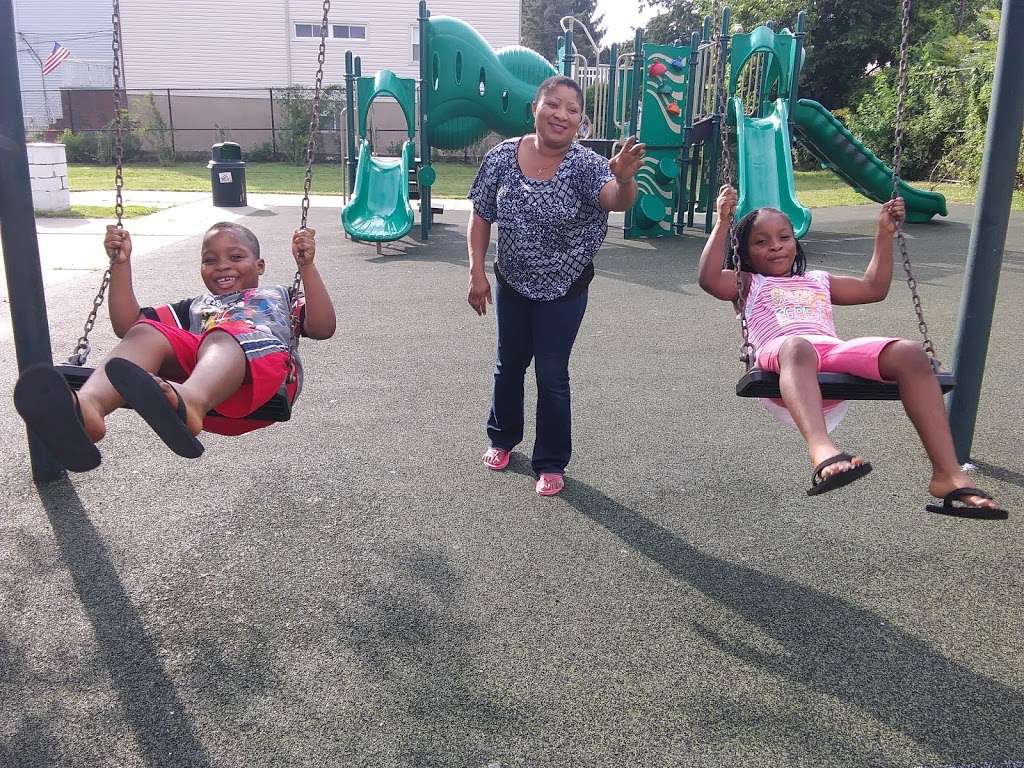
(314, 120)
(897, 159)
(80, 355)
(747, 353)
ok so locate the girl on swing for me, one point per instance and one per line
(789, 314)
(228, 349)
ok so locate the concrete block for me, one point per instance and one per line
(46, 170)
(53, 200)
(50, 184)
(46, 153)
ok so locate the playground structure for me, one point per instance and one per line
(670, 96)
(466, 91)
(676, 108)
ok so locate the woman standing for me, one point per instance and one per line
(550, 198)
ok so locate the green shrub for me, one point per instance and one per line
(151, 126)
(261, 153)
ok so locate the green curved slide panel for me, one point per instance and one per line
(765, 165)
(474, 89)
(379, 211)
(837, 149)
(387, 83)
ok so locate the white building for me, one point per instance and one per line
(273, 43)
(81, 26)
(210, 69)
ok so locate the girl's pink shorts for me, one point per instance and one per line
(857, 357)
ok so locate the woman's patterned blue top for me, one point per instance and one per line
(548, 231)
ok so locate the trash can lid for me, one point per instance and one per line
(226, 150)
(226, 164)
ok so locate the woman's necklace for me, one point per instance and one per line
(543, 165)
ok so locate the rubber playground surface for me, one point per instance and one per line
(354, 589)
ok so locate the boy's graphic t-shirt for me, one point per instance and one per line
(266, 310)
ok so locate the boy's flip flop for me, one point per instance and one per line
(966, 510)
(143, 393)
(550, 484)
(821, 484)
(496, 458)
(50, 409)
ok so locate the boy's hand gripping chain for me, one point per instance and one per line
(314, 118)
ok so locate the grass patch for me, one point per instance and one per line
(453, 179)
(96, 212)
(815, 189)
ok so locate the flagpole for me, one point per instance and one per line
(42, 78)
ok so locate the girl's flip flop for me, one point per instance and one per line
(50, 409)
(966, 510)
(550, 484)
(821, 484)
(143, 393)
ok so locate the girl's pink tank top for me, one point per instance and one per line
(789, 306)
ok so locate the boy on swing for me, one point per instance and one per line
(227, 350)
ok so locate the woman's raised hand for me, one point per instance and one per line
(627, 161)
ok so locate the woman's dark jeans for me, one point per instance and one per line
(544, 331)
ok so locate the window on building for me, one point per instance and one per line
(349, 31)
(307, 30)
(415, 43)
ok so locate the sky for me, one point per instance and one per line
(621, 17)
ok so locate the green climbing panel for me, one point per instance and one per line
(664, 83)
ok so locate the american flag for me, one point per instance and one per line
(57, 55)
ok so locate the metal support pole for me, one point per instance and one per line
(635, 94)
(567, 52)
(426, 83)
(717, 127)
(683, 182)
(609, 120)
(273, 128)
(988, 234)
(170, 121)
(18, 232)
(350, 117)
(794, 83)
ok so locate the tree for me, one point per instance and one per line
(677, 21)
(541, 27)
(845, 38)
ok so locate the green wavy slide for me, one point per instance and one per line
(379, 210)
(765, 167)
(836, 148)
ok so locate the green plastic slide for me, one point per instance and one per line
(837, 149)
(765, 166)
(379, 210)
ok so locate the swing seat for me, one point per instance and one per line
(276, 408)
(834, 386)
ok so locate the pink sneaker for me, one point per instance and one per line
(496, 458)
(550, 484)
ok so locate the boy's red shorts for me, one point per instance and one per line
(263, 378)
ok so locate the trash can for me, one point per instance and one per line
(227, 175)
